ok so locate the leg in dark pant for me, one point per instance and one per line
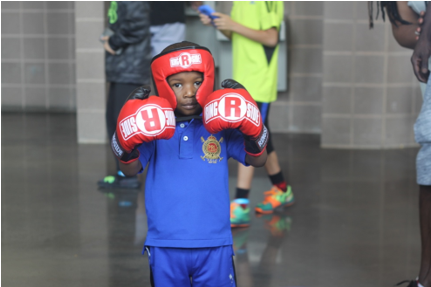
(425, 227)
(117, 96)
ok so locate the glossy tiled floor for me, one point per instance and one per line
(355, 221)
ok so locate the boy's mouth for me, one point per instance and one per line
(189, 106)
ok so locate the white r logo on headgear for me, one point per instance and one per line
(185, 60)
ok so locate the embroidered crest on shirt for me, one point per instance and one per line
(212, 149)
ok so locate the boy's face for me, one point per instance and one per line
(185, 86)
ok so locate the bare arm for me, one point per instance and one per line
(422, 50)
(227, 26)
(256, 161)
(106, 45)
(131, 169)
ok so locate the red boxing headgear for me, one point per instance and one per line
(184, 59)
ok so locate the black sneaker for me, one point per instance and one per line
(116, 181)
(412, 283)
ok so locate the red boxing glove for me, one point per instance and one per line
(142, 119)
(234, 108)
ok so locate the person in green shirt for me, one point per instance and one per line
(254, 27)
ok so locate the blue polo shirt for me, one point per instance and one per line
(187, 186)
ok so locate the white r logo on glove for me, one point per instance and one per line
(232, 107)
(150, 120)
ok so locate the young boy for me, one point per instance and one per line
(186, 194)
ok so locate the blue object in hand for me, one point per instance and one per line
(207, 10)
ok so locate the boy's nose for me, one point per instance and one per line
(190, 93)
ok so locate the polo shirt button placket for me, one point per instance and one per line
(182, 125)
(185, 138)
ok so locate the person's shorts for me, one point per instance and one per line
(423, 165)
(178, 267)
(422, 130)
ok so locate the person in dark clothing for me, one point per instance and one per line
(168, 23)
(127, 44)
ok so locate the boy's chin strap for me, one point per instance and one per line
(187, 118)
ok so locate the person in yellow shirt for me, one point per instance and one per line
(254, 28)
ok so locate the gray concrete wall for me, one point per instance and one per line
(90, 72)
(370, 96)
(38, 56)
(352, 85)
(299, 108)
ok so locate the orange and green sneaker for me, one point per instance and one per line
(239, 213)
(275, 198)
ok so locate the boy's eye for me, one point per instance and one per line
(177, 85)
(198, 83)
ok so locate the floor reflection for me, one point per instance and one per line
(354, 223)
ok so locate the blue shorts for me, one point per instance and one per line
(179, 267)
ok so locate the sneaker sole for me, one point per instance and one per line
(239, 225)
(111, 186)
(259, 210)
